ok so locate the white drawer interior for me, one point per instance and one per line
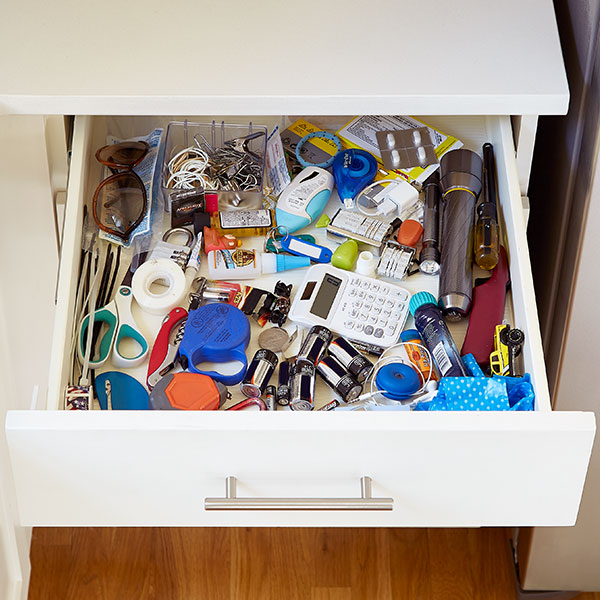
(86, 172)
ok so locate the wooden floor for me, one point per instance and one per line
(271, 564)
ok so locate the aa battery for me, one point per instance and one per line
(331, 405)
(351, 359)
(338, 379)
(315, 344)
(302, 385)
(270, 397)
(259, 373)
(283, 388)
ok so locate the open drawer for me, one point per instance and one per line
(439, 469)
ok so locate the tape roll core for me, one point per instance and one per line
(154, 271)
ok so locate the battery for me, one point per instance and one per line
(258, 374)
(315, 344)
(338, 379)
(330, 405)
(349, 357)
(270, 397)
(283, 388)
(302, 385)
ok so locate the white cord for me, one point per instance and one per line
(91, 299)
(368, 189)
(383, 360)
(187, 169)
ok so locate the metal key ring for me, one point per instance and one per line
(271, 236)
(175, 230)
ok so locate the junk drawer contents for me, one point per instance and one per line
(226, 267)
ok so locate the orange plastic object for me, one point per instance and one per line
(213, 241)
(417, 356)
(410, 233)
(193, 391)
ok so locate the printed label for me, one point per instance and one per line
(441, 358)
(299, 198)
(239, 219)
(276, 165)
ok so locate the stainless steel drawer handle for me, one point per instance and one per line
(232, 502)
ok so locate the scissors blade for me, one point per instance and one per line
(136, 261)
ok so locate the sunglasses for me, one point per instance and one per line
(120, 201)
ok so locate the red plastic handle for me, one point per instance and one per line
(161, 344)
(487, 312)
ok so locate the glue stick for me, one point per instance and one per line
(249, 264)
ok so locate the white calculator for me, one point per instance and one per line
(354, 306)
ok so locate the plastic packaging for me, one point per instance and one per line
(249, 264)
(436, 336)
(243, 223)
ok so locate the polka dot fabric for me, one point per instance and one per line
(482, 394)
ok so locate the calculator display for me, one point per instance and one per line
(325, 296)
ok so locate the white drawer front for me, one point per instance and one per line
(446, 469)
(440, 469)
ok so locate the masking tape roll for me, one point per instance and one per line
(159, 271)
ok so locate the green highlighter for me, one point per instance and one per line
(345, 256)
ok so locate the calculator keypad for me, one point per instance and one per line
(374, 310)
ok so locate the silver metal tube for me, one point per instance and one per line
(365, 502)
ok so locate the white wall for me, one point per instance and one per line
(28, 265)
(569, 558)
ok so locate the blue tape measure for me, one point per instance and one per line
(216, 333)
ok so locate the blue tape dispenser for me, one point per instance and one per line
(352, 170)
(217, 333)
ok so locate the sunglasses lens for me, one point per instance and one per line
(126, 154)
(120, 204)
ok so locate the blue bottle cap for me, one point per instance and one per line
(410, 334)
(397, 381)
(419, 299)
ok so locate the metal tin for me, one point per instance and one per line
(283, 389)
(337, 378)
(302, 385)
(315, 344)
(259, 373)
(270, 397)
(348, 356)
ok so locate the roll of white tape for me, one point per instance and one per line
(148, 281)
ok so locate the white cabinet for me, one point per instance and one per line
(446, 469)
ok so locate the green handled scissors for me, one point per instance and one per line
(116, 315)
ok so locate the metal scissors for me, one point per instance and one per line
(121, 325)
